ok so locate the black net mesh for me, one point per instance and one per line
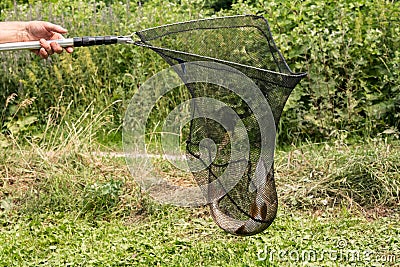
(245, 44)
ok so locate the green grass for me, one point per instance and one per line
(67, 207)
(177, 237)
(60, 205)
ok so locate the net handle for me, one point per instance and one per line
(75, 42)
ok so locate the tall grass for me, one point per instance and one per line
(96, 76)
(62, 173)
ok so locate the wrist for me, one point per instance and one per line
(21, 32)
(13, 32)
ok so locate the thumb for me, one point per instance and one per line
(54, 28)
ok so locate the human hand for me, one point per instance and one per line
(42, 31)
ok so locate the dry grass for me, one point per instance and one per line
(361, 175)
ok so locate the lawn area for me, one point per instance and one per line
(68, 199)
(176, 237)
(72, 208)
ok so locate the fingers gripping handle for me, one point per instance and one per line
(76, 42)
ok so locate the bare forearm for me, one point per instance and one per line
(13, 31)
(20, 31)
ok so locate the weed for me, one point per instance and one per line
(100, 199)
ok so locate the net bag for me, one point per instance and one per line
(242, 44)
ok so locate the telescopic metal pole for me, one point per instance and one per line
(75, 42)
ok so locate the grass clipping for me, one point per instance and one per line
(365, 175)
(63, 172)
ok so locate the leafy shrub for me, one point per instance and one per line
(350, 50)
(97, 75)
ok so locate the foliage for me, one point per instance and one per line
(351, 192)
(217, 5)
(97, 76)
(350, 50)
(101, 198)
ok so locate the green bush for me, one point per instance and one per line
(98, 76)
(350, 50)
